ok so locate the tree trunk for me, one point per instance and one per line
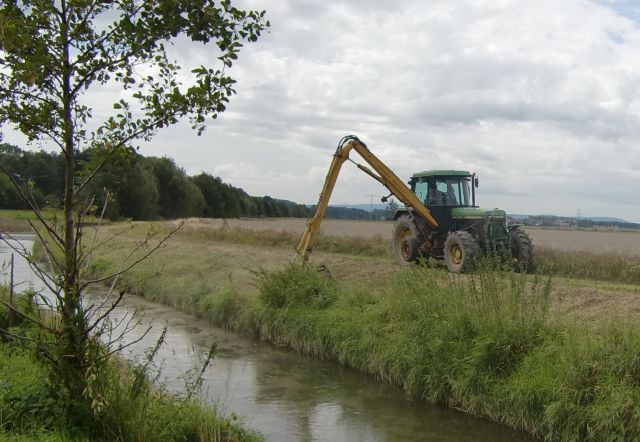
(73, 338)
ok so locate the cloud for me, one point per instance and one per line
(541, 98)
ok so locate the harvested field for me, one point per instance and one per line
(8, 224)
(604, 242)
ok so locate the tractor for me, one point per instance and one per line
(465, 232)
(439, 219)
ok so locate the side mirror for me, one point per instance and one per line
(475, 181)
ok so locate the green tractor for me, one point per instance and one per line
(464, 233)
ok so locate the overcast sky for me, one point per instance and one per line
(540, 98)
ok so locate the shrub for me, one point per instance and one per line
(296, 285)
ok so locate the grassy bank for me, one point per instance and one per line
(486, 343)
(128, 408)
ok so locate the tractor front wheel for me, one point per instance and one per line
(406, 240)
(461, 252)
(521, 251)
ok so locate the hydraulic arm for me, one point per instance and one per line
(380, 173)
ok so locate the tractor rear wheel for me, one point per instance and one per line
(406, 240)
(522, 251)
(461, 252)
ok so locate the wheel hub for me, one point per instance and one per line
(455, 254)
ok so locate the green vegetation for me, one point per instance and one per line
(128, 406)
(140, 188)
(144, 188)
(49, 214)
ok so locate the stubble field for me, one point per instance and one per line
(600, 242)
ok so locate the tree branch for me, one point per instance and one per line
(29, 318)
(120, 144)
(122, 269)
(107, 312)
(33, 207)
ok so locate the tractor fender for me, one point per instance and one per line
(400, 212)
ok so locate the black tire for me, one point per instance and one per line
(522, 251)
(406, 240)
(461, 252)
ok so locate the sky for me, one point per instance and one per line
(540, 98)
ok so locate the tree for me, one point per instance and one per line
(211, 190)
(51, 54)
(179, 196)
(43, 170)
(390, 209)
(125, 187)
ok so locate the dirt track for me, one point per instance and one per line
(624, 243)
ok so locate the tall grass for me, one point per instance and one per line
(584, 265)
(134, 410)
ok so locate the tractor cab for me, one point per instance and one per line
(442, 191)
(444, 187)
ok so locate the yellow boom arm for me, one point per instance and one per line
(384, 175)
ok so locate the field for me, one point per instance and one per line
(224, 254)
(16, 221)
(599, 242)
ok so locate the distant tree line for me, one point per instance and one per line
(336, 212)
(147, 188)
(575, 222)
(138, 187)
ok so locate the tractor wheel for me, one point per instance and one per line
(461, 252)
(406, 240)
(522, 251)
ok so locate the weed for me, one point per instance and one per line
(297, 285)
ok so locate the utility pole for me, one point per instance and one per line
(371, 195)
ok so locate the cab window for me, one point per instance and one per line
(422, 190)
(449, 192)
